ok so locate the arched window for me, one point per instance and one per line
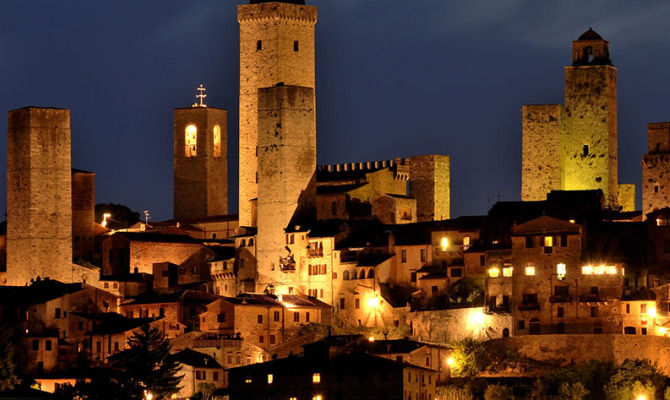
(217, 141)
(191, 141)
(251, 242)
(361, 275)
(371, 273)
(505, 333)
(345, 275)
(243, 243)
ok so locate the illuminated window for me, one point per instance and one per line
(466, 242)
(270, 379)
(444, 243)
(560, 270)
(494, 272)
(191, 139)
(317, 397)
(248, 380)
(548, 241)
(217, 141)
(507, 271)
(587, 270)
(530, 270)
(599, 270)
(316, 377)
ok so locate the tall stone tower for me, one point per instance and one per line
(574, 146)
(200, 162)
(429, 185)
(276, 46)
(286, 168)
(39, 197)
(656, 168)
(83, 214)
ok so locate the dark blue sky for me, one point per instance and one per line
(394, 78)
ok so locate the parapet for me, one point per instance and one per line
(260, 11)
(399, 165)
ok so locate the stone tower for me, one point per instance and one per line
(429, 185)
(83, 214)
(200, 162)
(286, 167)
(39, 197)
(656, 168)
(574, 146)
(276, 46)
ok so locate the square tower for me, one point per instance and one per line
(276, 46)
(429, 185)
(39, 195)
(200, 162)
(656, 168)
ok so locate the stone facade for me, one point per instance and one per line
(656, 168)
(83, 214)
(574, 146)
(200, 162)
(39, 196)
(286, 168)
(626, 197)
(276, 46)
(448, 326)
(429, 184)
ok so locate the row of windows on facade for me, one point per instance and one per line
(561, 270)
(548, 241)
(346, 275)
(145, 313)
(249, 243)
(296, 45)
(191, 141)
(201, 375)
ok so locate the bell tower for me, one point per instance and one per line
(276, 47)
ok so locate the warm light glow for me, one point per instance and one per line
(548, 241)
(641, 397)
(317, 397)
(530, 271)
(508, 271)
(466, 243)
(476, 318)
(587, 270)
(652, 312)
(105, 218)
(280, 298)
(572, 221)
(373, 302)
(450, 361)
(599, 270)
(494, 272)
(610, 270)
(316, 377)
(371, 339)
(248, 380)
(270, 379)
(662, 330)
(148, 395)
(444, 243)
(217, 141)
(191, 140)
(560, 271)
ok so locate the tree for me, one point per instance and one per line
(451, 392)
(8, 377)
(122, 216)
(467, 291)
(633, 378)
(498, 392)
(572, 391)
(468, 357)
(145, 365)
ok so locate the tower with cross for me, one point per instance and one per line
(200, 160)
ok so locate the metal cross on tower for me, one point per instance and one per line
(201, 95)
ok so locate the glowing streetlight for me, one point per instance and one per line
(444, 243)
(373, 302)
(371, 339)
(105, 218)
(148, 395)
(450, 361)
(641, 397)
(652, 312)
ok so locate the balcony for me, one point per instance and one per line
(591, 298)
(287, 264)
(500, 308)
(314, 253)
(560, 299)
(529, 307)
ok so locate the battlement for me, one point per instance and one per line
(399, 165)
(263, 12)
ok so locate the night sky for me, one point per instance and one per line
(394, 78)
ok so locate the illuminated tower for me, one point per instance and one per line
(39, 195)
(276, 46)
(200, 162)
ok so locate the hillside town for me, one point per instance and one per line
(341, 281)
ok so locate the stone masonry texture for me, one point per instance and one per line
(276, 46)
(541, 150)
(429, 185)
(83, 214)
(201, 181)
(656, 168)
(39, 197)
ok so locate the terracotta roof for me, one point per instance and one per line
(590, 35)
(194, 359)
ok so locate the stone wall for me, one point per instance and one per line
(541, 150)
(201, 181)
(429, 184)
(276, 45)
(656, 168)
(39, 195)
(565, 349)
(626, 197)
(83, 214)
(447, 326)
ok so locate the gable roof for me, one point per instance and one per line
(545, 224)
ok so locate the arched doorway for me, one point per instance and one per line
(534, 326)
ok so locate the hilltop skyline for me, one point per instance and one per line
(391, 82)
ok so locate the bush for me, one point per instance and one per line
(633, 378)
(469, 356)
(451, 392)
(498, 392)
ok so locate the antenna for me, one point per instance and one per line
(147, 217)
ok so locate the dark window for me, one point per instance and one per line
(534, 328)
(434, 289)
(307, 316)
(345, 275)
(594, 312)
(342, 303)
(47, 345)
(560, 327)
(333, 208)
(627, 308)
(656, 188)
(585, 150)
(505, 333)
(259, 45)
(403, 255)
(530, 298)
(276, 316)
(629, 330)
(560, 312)
(261, 339)
(116, 346)
(57, 313)
(216, 375)
(529, 242)
(564, 240)
(597, 328)
(161, 312)
(357, 304)
(412, 276)
(482, 260)
(521, 324)
(164, 273)
(260, 319)
(594, 291)
(361, 275)
(36, 345)
(561, 292)
(423, 255)
(296, 45)
(221, 317)
(456, 272)
(272, 339)
(296, 316)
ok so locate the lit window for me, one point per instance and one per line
(610, 270)
(444, 243)
(560, 270)
(317, 397)
(599, 270)
(587, 270)
(316, 377)
(191, 139)
(530, 270)
(270, 379)
(217, 141)
(494, 272)
(292, 398)
(548, 241)
(466, 242)
(248, 380)
(507, 271)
